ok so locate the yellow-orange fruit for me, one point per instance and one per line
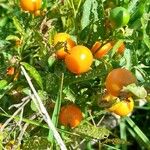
(121, 49)
(123, 108)
(31, 5)
(79, 59)
(100, 51)
(64, 38)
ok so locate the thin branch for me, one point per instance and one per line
(15, 113)
(45, 114)
(23, 130)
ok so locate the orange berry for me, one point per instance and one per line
(63, 37)
(121, 49)
(118, 78)
(70, 115)
(123, 108)
(102, 50)
(31, 5)
(10, 71)
(79, 59)
(96, 47)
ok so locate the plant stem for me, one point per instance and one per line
(45, 114)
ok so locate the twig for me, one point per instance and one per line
(15, 113)
(45, 114)
(23, 131)
(76, 147)
(100, 120)
(92, 118)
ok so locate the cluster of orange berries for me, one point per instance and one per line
(115, 81)
(78, 58)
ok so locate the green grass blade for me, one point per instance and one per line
(137, 133)
(123, 133)
(111, 147)
(56, 109)
(5, 89)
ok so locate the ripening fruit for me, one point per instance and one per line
(30, 5)
(99, 50)
(123, 108)
(119, 16)
(10, 70)
(62, 38)
(118, 78)
(79, 59)
(70, 115)
(121, 49)
(96, 47)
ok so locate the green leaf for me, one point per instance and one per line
(140, 74)
(12, 37)
(92, 21)
(36, 143)
(56, 111)
(5, 88)
(138, 91)
(26, 91)
(139, 11)
(1, 140)
(43, 95)
(131, 6)
(128, 59)
(18, 25)
(92, 131)
(51, 60)
(136, 132)
(52, 84)
(85, 20)
(34, 74)
(3, 21)
(115, 47)
(116, 141)
(145, 21)
(3, 84)
(99, 71)
(69, 94)
(33, 106)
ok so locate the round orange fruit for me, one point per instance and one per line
(65, 39)
(79, 59)
(30, 5)
(118, 78)
(123, 108)
(70, 115)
